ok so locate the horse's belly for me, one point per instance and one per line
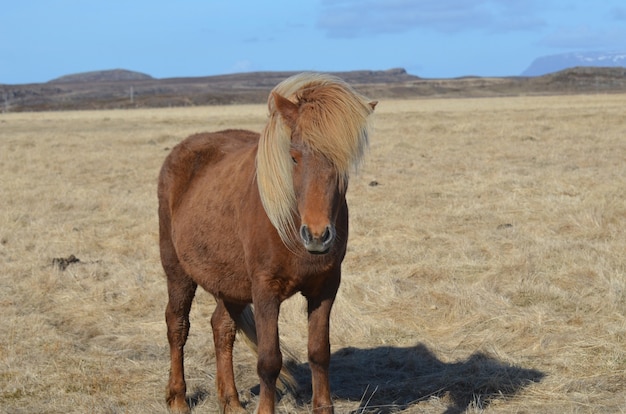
(217, 272)
(227, 286)
(211, 254)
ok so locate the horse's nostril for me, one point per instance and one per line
(328, 235)
(305, 234)
(317, 243)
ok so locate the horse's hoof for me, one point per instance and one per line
(232, 410)
(179, 407)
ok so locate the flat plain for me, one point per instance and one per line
(486, 268)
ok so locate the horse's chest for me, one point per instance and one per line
(310, 279)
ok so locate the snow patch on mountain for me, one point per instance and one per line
(554, 63)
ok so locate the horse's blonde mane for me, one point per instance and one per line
(333, 120)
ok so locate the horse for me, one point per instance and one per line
(255, 218)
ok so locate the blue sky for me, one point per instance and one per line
(44, 39)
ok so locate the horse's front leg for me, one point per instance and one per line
(319, 349)
(270, 358)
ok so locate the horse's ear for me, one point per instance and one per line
(287, 109)
(373, 105)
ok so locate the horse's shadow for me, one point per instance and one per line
(388, 379)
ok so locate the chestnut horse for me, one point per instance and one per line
(254, 218)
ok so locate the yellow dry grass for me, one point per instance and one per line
(486, 269)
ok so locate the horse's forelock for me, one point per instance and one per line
(334, 121)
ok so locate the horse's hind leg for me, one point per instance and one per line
(224, 331)
(181, 291)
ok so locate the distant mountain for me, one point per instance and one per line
(554, 63)
(113, 75)
(122, 89)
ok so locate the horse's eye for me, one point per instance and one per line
(295, 155)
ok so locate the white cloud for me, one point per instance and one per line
(618, 13)
(585, 38)
(349, 18)
(243, 65)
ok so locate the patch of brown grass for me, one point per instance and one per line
(485, 270)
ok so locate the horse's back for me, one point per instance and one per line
(197, 152)
(207, 143)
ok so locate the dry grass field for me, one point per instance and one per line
(486, 269)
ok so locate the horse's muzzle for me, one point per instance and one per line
(318, 242)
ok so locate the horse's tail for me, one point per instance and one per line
(246, 325)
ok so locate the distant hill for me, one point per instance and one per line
(127, 89)
(554, 63)
(114, 75)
